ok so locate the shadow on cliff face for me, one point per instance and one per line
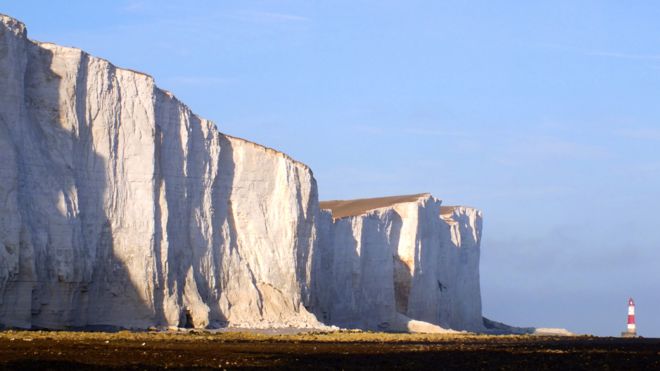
(335, 276)
(360, 284)
(402, 275)
(190, 250)
(69, 275)
(222, 191)
(402, 282)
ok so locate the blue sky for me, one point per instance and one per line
(543, 114)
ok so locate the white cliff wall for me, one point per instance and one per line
(409, 261)
(120, 207)
(464, 238)
(352, 272)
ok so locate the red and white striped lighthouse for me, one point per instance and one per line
(631, 317)
(631, 331)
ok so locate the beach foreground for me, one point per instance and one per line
(337, 350)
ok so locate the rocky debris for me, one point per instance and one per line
(499, 328)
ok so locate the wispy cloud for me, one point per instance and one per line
(199, 80)
(134, 6)
(412, 131)
(653, 57)
(270, 17)
(533, 192)
(602, 53)
(640, 134)
(435, 132)
(369, 129)
(549, 146)
(533, 148)
(644, 170)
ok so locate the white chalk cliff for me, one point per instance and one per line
(383, 262)
(120, 207)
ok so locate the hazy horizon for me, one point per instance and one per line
(543, 115)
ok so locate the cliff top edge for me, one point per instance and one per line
(13, 24)
(345, 208)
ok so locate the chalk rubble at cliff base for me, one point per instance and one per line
(119, 207)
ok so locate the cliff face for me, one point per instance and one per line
(120, 207)
(381, 263)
